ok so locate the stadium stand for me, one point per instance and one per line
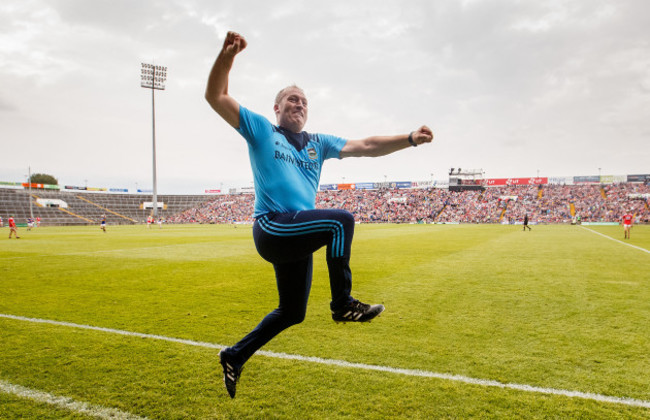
(501, 204)
(88, 208)
(505, 204)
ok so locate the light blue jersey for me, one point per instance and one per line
(286, 166)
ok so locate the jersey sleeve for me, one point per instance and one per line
(253, 127)
(332, 146)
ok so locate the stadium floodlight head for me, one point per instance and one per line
(153, 77)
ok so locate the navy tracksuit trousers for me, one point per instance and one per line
(288, 240)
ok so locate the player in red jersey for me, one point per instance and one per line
(12, 228)
(627, 224)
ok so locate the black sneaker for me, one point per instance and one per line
(230, 373)
(357, 311)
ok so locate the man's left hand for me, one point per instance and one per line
(423, 135)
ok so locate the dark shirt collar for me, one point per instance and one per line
(297, 140)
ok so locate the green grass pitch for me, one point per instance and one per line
(558, 308)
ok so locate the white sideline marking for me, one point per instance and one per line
(67, 403)
(616, 240)
(341, 363)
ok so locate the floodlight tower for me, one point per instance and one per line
(153, 77)
(29, 180)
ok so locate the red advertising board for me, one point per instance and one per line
(27, 185)
(491, 182)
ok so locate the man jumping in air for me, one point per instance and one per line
(286, 163)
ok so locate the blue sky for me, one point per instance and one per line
(511, 87)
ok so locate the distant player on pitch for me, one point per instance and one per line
(627, 224)
(287, 163)
(13, 230)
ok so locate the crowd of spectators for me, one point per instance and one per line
(506, 204)
(229, 208)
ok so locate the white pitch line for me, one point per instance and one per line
(67, 403)
(342, 363)
(616, 240)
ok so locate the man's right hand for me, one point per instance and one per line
(233, 44)
(216, 92)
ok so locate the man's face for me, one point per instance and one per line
(291, 111)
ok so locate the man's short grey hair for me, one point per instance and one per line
(281, 94)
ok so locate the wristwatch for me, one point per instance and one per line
(413, 143)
